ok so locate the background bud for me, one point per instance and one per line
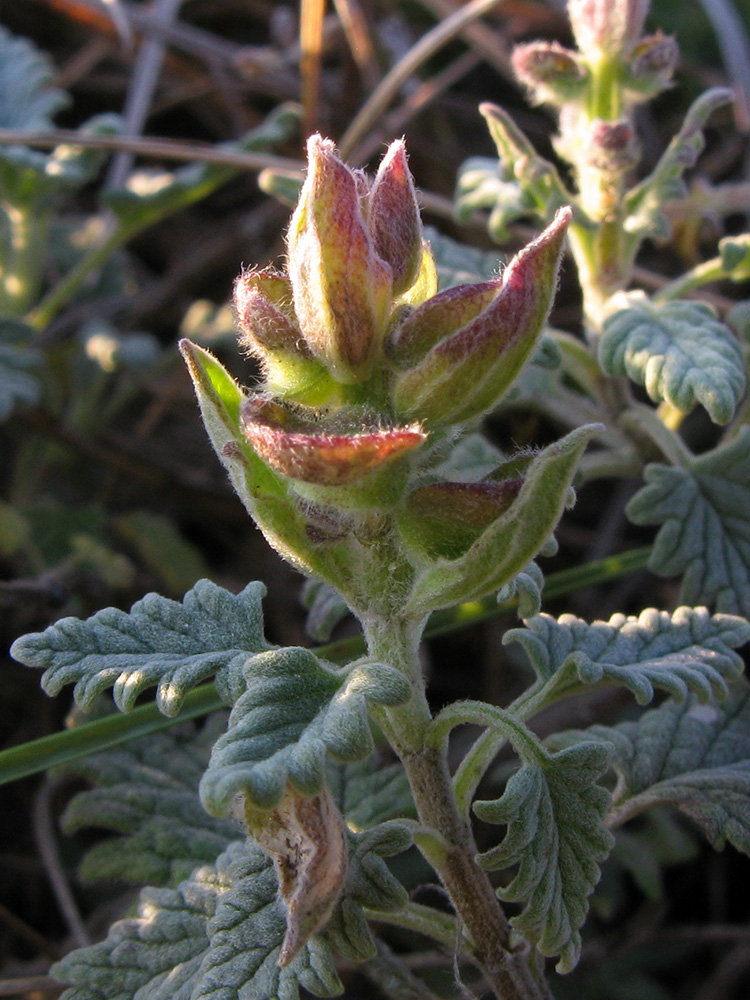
(651, 65)
(552, 73)
(607, 27)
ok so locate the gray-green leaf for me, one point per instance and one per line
(159, 642)
(27, 98)
(294, 711)
(554, 812)
(147, 791)
(693, 756)
(687, 651)
(679, 351)
(704, 511)
(459, 264)
(217, 935)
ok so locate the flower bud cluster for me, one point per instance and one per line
(596, 89)
(361, 357)
(368, 373)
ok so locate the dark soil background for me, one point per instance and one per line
(678, 930)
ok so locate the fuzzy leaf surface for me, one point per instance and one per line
(687, 651)
(368, 793)
(369, 884)
(692, 756)
(554, 812)
(704, 512)
(175, 646)
(679, 351)
(147, 791)
(294, 711)
(217, 935)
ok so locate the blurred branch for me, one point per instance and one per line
(166, 149)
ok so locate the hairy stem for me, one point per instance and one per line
(507, 971)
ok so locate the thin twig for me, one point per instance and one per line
(146, 73)
(47, 844)
(489, 44)
(425, 94)
(165, 149)
(427, 46)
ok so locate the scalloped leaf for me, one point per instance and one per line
(692, 756)
(369, 884)
(688, 651)
(644, 204)
(679, 351)
(217, 935)
(294, 711)
(18, 360)
(704, 512)
(368, 793)
(527, 589)
(147, 791)
(511, 542)
(161, 642)
(27, 98)
(554, 811)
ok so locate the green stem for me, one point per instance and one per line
(62, 293)
(424, 920)
(701, 274)
(407, 727)
(20, 272)
(393, 978)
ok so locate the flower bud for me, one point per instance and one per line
(263, 301)
(611, 147)
(551, 72)
(438, 318)
(313, 452)
(269, 330)
(471, 367)
(341, 287)
(607, 27)
(395, 224)
(651, 65)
